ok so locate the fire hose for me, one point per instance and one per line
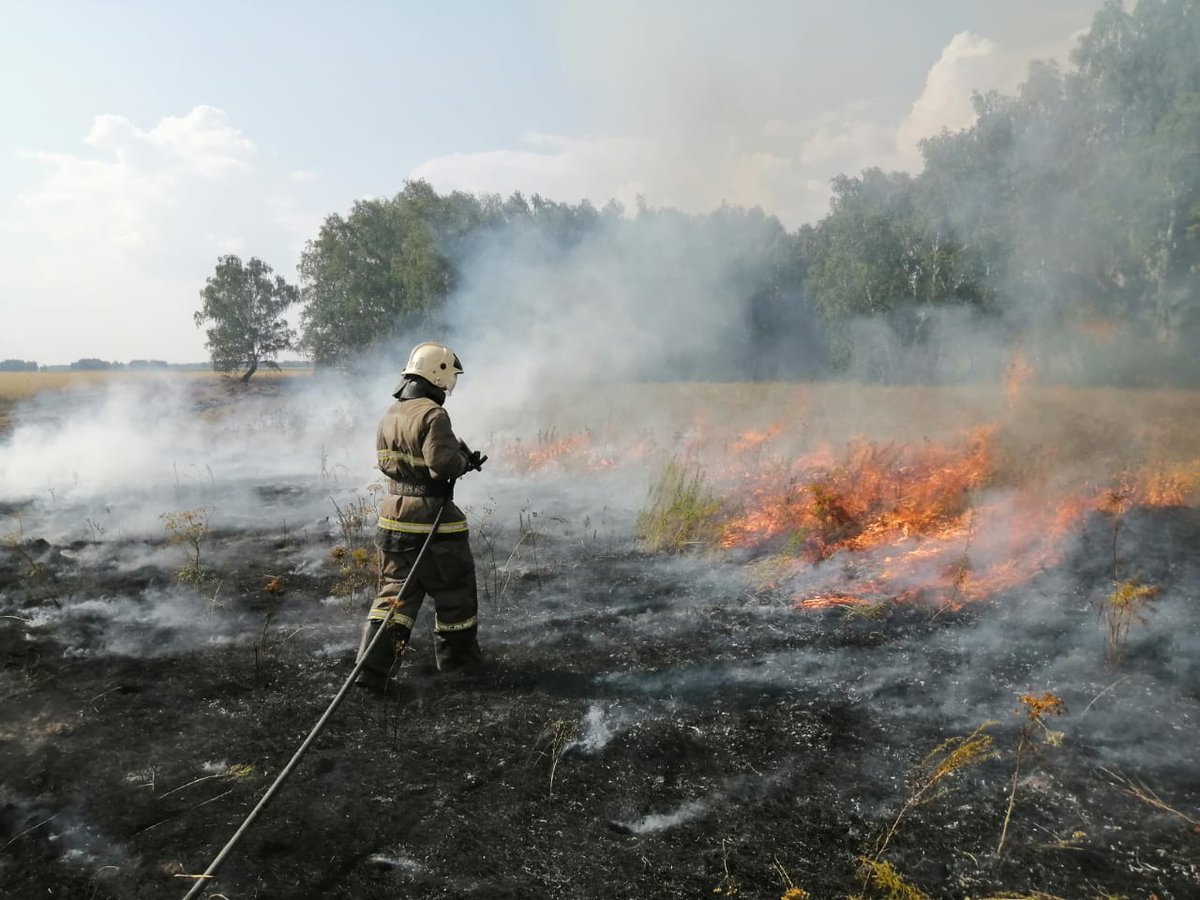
(210, 872)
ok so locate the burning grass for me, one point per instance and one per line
(874, 494)
(944, 522)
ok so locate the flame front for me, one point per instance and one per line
(867, 522)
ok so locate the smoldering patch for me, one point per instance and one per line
(158, 622)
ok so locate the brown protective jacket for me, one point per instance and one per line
(418, 452)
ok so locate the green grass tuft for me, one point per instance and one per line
(680, 510)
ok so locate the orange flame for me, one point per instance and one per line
(878, 494)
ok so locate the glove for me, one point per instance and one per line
(475, 459)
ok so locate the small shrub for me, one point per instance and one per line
(356, 520)
(357, 559)
(190, 529)
(358, 571)
(1118, 612)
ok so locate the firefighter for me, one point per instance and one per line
(420, 455)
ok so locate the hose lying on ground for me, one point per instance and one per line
(210, 872)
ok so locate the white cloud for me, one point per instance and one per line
(555, 166)
(117, 237)
(781, 164)
(969, 63)
(119, 198)
(201, 142)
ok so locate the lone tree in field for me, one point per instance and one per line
(246, 307)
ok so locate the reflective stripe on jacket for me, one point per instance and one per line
(415, 445)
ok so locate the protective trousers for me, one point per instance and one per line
(447, 573)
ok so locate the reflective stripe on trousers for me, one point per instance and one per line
(379, 613)
(442, 627)
(421, 527)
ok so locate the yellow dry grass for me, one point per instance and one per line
(16, 386)
(1056, 436)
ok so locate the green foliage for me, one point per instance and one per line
(385, 267)
(1073, 201)
(680, 510)
(877, 249)
(246, 307)
(18, 365)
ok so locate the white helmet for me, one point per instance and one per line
(436, 363)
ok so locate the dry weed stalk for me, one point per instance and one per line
(358, 562)
(356, 517)
(358, 570)
(727, 885)
(481, 528)
(557, 736)
(16, 542)
(1141, 791)
(1119, 611)
(190, 528)
(960, 571)
(1129, 597)
(234, 772)
(790, 892)
(1035, 708)
(951, 756)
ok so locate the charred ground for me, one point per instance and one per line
(647, 728)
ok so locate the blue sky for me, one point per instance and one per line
(142, 140)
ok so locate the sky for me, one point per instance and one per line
(141, 141)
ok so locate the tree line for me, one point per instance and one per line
(1070, 207)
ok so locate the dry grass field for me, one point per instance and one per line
(1077, 434)
(18, 386)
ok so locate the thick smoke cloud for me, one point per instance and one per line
(664, 298)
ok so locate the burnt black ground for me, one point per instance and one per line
(646, 727)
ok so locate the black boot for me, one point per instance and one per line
(459, 651)
(377, 664)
